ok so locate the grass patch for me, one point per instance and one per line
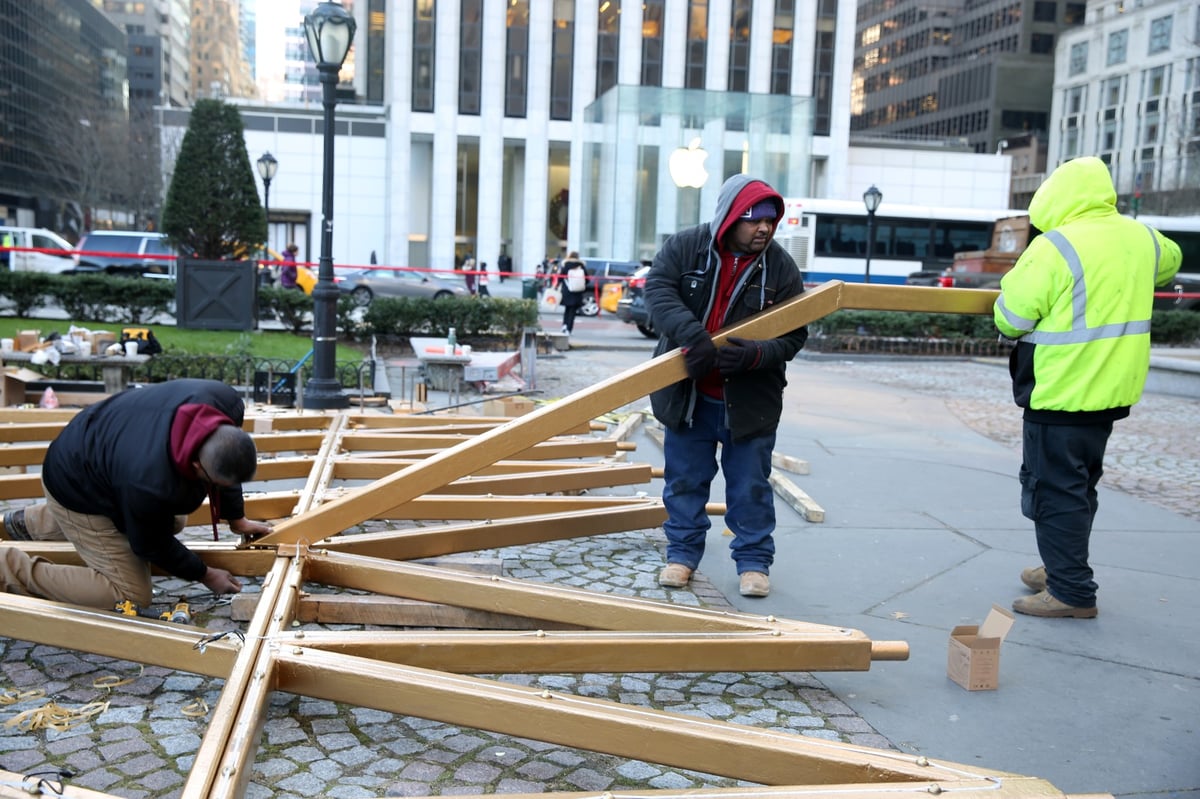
(258, 343)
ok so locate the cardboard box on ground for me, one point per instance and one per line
(974, 657)
(507, 406)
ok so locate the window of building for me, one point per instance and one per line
(516, 58)
(1117, 42)
(1073, 13)
(1111, 92)
(1079, 56)
(424, 34)
(470, 51)
(608, 45)
(1154, 82)
(781, 47)
(1045, 11)
(823, 66)
(739, 48)
(1160, 34)
(1074, 100)
(1070, 141)
(652, 42)
(562, 58)
(1041, 43)
(697, 44)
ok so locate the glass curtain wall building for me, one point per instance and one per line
(64, 108)
(532, 126)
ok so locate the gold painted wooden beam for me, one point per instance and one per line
(576, 606)
(1006, 786)
(241, 699)
(554, 652)
(568, 477)
(552, 449)
(105, 632)
(430, 542)
(739, 752)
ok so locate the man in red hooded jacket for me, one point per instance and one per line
(706, 278)
(119, 480)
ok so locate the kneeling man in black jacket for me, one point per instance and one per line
(120, 481)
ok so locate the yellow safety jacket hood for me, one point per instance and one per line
(1078, 301)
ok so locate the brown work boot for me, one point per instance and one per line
(1034, 578)
(14, 525)
(754, 584)
(1045, 605)
(674, 575)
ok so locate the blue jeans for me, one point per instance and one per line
(691, 465)
(1061, 466)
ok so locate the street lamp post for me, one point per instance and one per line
(267, 167)
(330, 30)
(872, 197)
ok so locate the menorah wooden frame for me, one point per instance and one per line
(485, 481)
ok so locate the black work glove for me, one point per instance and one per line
(739, 355)
(700, 357)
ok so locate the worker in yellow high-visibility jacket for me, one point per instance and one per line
(1078, 303)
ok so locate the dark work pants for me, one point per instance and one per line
(569, 313)
(1062, 465)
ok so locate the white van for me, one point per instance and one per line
(39, 239)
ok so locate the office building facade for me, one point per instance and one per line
(975, 71)
(63, 104)
(1127, 89)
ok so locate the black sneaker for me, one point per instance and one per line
(14, 525)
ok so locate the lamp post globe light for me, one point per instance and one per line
(267, 167)
(872, 197)
(330, 30)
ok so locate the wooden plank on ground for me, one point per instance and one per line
(792, 495)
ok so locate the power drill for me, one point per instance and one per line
(180, 614)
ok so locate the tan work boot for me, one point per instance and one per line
(1045, 605)
(674, 575)
(754, 584)
(1034, 578)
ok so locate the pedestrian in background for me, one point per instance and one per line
(120, 481)
(483, 281)
(288, 270)
(703, 279)
(468, 267)
(1078, 302)
(574, 281)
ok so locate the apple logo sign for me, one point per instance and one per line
(687, 165)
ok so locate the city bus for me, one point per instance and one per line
(828, 238)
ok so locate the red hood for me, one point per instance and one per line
(191, 427)
(754, 192)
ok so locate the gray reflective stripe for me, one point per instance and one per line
(1157, 251)
(1019, 322)
(1079, 290)
(1080, 333)
(1087, 334)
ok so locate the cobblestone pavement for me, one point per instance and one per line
(143, 745)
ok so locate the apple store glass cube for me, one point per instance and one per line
(655, 159)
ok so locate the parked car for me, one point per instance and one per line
(127, 252)
(365, 285)
(40, 239)
(631, 307)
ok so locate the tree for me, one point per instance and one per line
(84, 161)
(212, 205)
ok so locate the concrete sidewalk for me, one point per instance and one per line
(923, 532)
